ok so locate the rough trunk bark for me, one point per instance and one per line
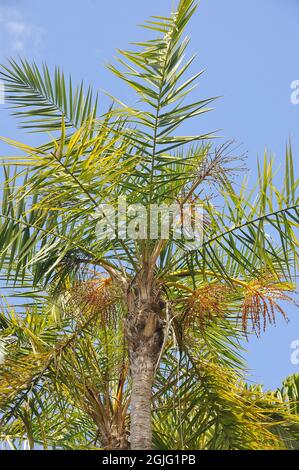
(115, 440)
(145, 337)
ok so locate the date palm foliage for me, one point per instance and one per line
(118, 343)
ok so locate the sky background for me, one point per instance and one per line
(250, 50)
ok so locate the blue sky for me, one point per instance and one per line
(250, 51)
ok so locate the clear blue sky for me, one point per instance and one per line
(250, 50)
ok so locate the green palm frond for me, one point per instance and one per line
(205, 406)
(40, 100)
(154, 72)
(254, 231)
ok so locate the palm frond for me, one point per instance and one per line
(39, 100)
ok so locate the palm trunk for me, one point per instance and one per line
(142, 371)
(145, 337)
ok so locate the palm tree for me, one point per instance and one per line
(120, 330)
